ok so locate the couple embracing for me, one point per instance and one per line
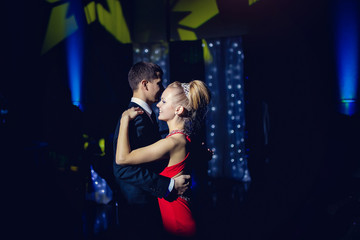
(154, 173)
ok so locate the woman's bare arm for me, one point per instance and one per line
(153, 152)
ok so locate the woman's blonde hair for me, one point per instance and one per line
(194, 97)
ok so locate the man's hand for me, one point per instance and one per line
(182, 183)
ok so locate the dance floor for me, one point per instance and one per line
(52, 206)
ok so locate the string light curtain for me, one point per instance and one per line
(226, 117)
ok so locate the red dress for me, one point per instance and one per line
(176, 215)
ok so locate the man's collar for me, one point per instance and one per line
(142, 104)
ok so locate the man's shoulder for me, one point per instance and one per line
(133, 104)
(138, 117)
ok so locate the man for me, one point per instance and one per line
(141, 184)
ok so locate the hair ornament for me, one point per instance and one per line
(186, 88)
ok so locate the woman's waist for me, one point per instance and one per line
(170, 174)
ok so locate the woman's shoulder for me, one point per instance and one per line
(177, 139)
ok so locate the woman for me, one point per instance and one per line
(182, 106)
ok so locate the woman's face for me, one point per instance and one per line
(166, 106)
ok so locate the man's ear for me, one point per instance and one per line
(143, 84)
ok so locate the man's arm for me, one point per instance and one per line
(157, 185)
(141, 177)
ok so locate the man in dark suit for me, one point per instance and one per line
(140, 185)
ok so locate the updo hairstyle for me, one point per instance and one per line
(195, 102)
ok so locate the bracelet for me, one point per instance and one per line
(185, 198)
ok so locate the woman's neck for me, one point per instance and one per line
(175, 125)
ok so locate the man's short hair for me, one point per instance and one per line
(143, 70)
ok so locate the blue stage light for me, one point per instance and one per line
(347, 53)
(348, 107)
(75, 57)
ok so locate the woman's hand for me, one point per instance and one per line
(131, 113)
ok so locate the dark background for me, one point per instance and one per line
(303, 184)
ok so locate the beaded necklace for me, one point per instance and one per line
(179, 131)
(176, 131)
